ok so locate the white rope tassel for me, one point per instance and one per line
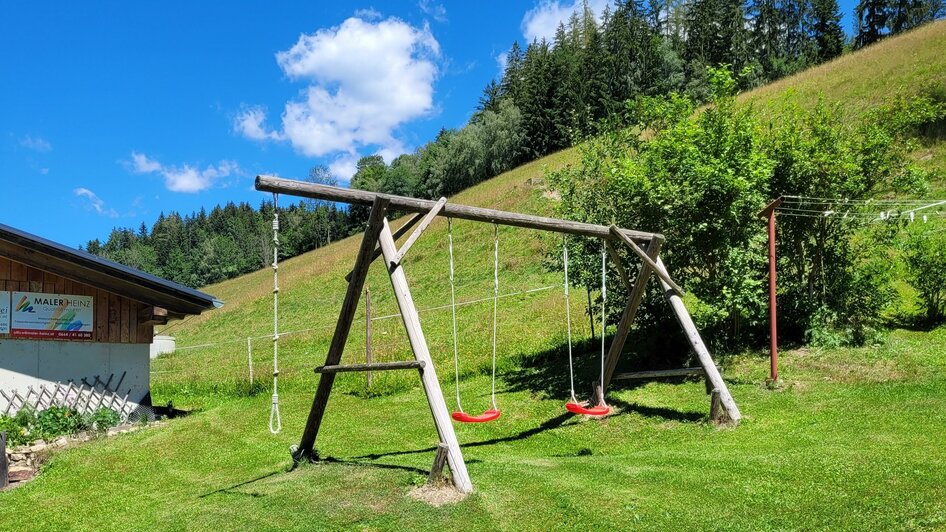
(568, 318)
(275, 423)
(495, 304)
(453, 308)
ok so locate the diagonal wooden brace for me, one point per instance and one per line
(401, 231)
(420, 229)
(664, 276)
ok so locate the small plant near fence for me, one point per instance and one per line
(28, 426)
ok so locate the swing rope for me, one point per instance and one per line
(492, 413)
(604, 297)
(573, 406)
(568, 318)
(495, 303)
(275, 423)
(453, 308)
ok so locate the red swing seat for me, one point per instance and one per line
(488, 415)
(596, 411)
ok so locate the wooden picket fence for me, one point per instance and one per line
(86, 397)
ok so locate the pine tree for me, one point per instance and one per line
(826, 30)
(871, 17)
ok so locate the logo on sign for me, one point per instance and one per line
(24, 305)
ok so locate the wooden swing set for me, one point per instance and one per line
(378, 233)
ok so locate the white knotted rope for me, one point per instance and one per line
(275, 423)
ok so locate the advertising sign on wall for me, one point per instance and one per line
(4, 312)
(53, 316)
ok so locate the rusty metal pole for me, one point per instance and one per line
(769, 213)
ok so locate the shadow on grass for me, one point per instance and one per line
(547, 374)
(550, 424)
(229, 490)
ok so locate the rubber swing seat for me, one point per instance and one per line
(488, 415)
(596, 411)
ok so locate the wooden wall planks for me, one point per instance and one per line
(116, 317)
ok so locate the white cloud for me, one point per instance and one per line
(141, 164)
(249, 123)
(94, 202)
(434, 10)
(365, 79)
(502, 59)
(186, 178)
(344, 167)
(368, 14)
(542, 20)
(36, 143)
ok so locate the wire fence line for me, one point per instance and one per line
(248, 363)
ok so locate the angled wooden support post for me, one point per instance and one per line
(415, 334)
(693, 335)
(634, 299)
(376, 222)
(420, 229)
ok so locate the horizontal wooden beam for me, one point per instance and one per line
(377, 366)
(450, 210)
(659, 374)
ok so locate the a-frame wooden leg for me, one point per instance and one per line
(376, 221)
(693, 335)
(630, 312)
(438, 407)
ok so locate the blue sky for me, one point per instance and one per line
(113, 113)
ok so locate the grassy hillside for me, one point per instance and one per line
(852, 440)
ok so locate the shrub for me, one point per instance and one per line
(103, 419)
(57, 421)
(701, 178)
(16, 433)
(925, 255)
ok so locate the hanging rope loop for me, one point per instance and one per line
(275, 422)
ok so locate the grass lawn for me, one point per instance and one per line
(853, 440)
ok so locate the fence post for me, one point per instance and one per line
(4, 466)
(368, 355)
(249, 356)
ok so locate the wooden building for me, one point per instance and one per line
(67, 315)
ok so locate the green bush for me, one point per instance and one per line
(16, 434)
(57, 421)
(700, 178)
(925, 255)
(102, 419)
